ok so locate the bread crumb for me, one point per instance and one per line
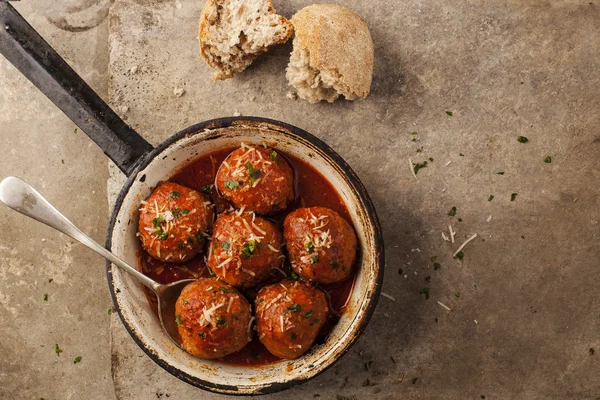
(291, 95)
(236, 114)
(133, 70)
(178, 92)
(123, 109)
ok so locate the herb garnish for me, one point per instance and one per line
(46, 297)
(314, 259)
(400, 271)
(293, 276)
(178, 319)
(162, 235)
(200, 237)
(452, 212)
(249, 249)
(308, 314)
(436, 266)
(202, 335)
(207, 189)
(500, 173)
(334, 264)
(252, 173)
(309, 247)
(513, 196)
(273, 155)
(77, 360)
(221, 321)
(293, 336)
(491, 197)
(226, 246)
(457, 294)
(425, 291)
(295, 307)
(548, 160)
(174, 195)
(184, 301)
(460, 255)
(522, 139)
(158, 220)
(428, 279)
(418, 166)
(413, 133)
(433, 258)
(449, 113)
(57, 349)
(231, 184)
(225, 290)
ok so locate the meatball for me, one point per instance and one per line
(321, 245)
(213, 319)
(173, 222)
(257, 179)
(289, 317)
(245, 249)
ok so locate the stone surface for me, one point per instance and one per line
(39, 144)
(527, 314)
(527, 318)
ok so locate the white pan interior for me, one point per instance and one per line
(142, 322)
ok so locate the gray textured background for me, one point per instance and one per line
(530, 279)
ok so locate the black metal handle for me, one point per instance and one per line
(41, 64)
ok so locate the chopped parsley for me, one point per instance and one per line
(178, 212)
(225, 290)
(308, 314)
(200, 237)
(452, 212)
(162, 235)
(249, 249)
(314, 259)
(178, 319)
(231, 184)
(400, 271)
(226, 246)
(420, 150)
(216, 245)
(273, 155)
(158, 220)
(413, 133)
(433, 258)
(207, 189)
(428, 279)
(334, 264)
(252, 173)
(202, 335)
(295, 307)
(436, 266)
(293, 276)
(425, 291)
(513, 196)
(221, 321)
(110, 311)
(77, 360)
(500, 173)
(460, 255)
(174, 195)
(457, 294)
(414, 380)
(548, 160)
(449, 113)
(491, 197)
(522, 139)
(181, 245)
(309, 247)
(414, 139)
(184, 301)
(275, 206)
(418, 166)
(293, 336)
(57, 349)
(460, 220)
(46, 297)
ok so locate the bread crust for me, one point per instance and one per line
(339, 42)
(223, 72)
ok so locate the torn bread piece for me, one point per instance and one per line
(333, 54)
(234, 32)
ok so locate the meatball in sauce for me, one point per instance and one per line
(174, 223)
(213, 319)
(256, 179)
(245, 249)
(289, 317)
(321, 245)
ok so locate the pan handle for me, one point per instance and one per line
(41, 64)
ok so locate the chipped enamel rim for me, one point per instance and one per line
(130, 301)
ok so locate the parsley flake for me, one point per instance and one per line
(425, 291)
(178, 319)
(77, 360)
(273, 155)
(309, 247)
(449, 113)
(46, 297)
(308, 314)
(207, 189)
(522, 139)
(293, 336)
(293, 276)
(500, 173)
(513, 196)
(413, 133)
(202, 335)
(460, 255)
(457, 294)
(231, 184)
(491, 197)
(158, 220)
(333, 264)
(249, 249)
(252, 173)
(221, 321)
(548, 160)
(436, 266)
(452, 212)
(225, 290)
(295, 307)
(226, 246)
(418, 166)
(314, 259)
(57, 349)
(174, 195)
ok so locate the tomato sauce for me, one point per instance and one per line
(311, 189)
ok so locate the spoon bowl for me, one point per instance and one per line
(21, 197)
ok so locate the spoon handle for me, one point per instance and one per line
(18, 195)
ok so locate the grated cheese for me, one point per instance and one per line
(258, 229)
(489, 218)
(281, 322)
(444, 306)
(446, 238)
(464, 244)
(273, 248)
(448, 163)
(412, 169)
(388, 296)
(452, 233)
(230, 303)
(225, 262)
(250, 324)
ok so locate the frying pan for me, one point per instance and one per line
(145, 166)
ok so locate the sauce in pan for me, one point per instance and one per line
(311, 189)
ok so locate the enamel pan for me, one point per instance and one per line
(145, 166)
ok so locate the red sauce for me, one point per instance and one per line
(312, 189)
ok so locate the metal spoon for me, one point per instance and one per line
(21, 197)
